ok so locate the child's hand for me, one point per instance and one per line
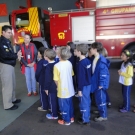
(46, 91)
(80, 94)
(100, 87)
(119, 72)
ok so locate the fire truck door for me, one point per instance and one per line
(59, 27)
(83, 29)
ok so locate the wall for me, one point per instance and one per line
(101, 3)
(55, 4)
(44, 4)
(11, 5)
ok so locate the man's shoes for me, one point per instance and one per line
(16, 101)
(100, 119)
(14, 107)
(83, 123)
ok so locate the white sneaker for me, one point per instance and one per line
(41, 109)
(100, 119)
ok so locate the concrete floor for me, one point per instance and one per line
(33, 122)
(8, 116)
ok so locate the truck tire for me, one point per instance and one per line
(37, 44)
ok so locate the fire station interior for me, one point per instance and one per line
(52, 24)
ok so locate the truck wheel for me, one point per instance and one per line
(37, 44)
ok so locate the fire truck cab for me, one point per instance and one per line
(29, 20)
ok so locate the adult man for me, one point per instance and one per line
(7, 74)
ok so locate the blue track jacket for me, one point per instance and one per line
(101, 75)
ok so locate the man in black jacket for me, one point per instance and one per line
(7, 74)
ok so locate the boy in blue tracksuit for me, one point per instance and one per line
(84, 83)
(49, 84)
(100, 79)
(40, 79)
(72, 59)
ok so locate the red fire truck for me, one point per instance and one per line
(113, 26)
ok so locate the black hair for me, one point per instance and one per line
(6, 27)
(98, 46)
(72, 45)
(41, 51)
(89, 47)
(128, 53)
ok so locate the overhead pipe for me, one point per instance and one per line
(29, 3)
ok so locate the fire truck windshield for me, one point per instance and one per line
(22, 20)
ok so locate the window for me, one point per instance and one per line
(22, 20)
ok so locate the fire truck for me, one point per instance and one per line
(113, 26)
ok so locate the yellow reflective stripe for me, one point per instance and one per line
(33, 19)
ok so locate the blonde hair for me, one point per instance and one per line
(65, 53)
(104, 52)
(83, 48)
(50, 54)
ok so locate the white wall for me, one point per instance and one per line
(101, 3)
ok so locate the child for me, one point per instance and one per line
(108, 102)
(57, 50)
(126, 74)
(49, 84)
(100, 79)
(72, 59)
(134, 73)
(71, 47)
(40, 79)
(75, 72)
(84, 83)
(105, 54)
(63, 73)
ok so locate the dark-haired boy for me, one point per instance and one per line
(41, 65)
(100, 79)
(84, 83)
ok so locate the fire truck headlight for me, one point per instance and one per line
(50, 9)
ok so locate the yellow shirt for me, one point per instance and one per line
(63, 75)
(126, 74)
